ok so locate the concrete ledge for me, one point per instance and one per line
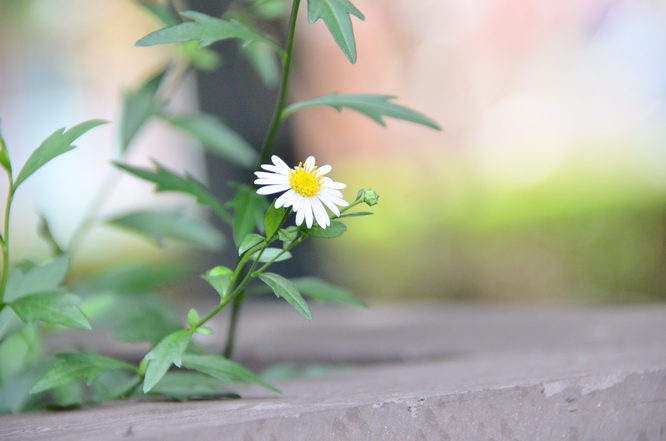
(430, 372)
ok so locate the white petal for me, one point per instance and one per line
(265, 175)
(329, 183)
(324, 169)
(279, 163)
(286, 199)
(320, 213)
(326, 192)
(309, 163)
(307, 209)
(270, 189)
(273, 169)
(300, 211)
(271, 181)
(331, 206)
(335, 200)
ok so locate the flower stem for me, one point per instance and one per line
(5, 242)
(284, 87)
(233, 325)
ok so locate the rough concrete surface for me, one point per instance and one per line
(424, 372)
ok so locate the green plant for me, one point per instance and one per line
(34, 298)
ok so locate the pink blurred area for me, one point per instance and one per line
(548, 182)
(492, 73)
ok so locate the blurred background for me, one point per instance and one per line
(547, 184)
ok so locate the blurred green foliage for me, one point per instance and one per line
(591, 232)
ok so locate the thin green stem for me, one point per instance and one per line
(277, 256)
(227, 299)
(233, 326)
(284, 87)
(5, 242)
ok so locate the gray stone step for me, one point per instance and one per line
(423, 372)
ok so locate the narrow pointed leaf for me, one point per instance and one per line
(284, 288)
(337, 16)
(74, 367)
(138, 107)
(205, 29)
(216, 137)
(58, 143)
(4, 156)
(58, 307)
(272, 253)
(167, 352)
(375, 107)
(223, 369)
(161, 225)
(250, 241)
(168, 180)
(322, 291)
(273, 219)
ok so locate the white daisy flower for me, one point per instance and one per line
(305, 188)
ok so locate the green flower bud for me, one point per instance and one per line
(370, 197)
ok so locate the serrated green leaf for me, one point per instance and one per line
(55, 145)
(216, 137)
(205, 29)
(375, 107)
(284, 288)
(336, 229)
(223, 369)
(161, 225)
(168, 180)
(337, 16)
(182, 386)
(167, 352)
(58, 307)
(273, 219)
(74, 367)
(322, 291)
(45, 277)
(219, 278)
(138, 107)
(250, 241)
(272, 253)
(249, 210)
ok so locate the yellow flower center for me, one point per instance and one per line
(305, 183)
